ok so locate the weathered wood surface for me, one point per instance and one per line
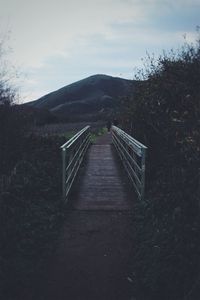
(102, 184)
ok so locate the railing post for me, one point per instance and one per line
(64, 173)
(143, 172)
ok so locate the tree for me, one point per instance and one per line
(165, 112)
(165, 106)
(11, 121)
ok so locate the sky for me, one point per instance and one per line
(57, 42)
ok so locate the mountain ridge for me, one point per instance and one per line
(96, 94)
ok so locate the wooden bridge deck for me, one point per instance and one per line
(102, 184)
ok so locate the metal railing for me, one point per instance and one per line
(132, 154)
(73, 152)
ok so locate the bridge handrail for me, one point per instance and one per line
(132, 154)
(73, 152)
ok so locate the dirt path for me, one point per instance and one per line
(92, 260)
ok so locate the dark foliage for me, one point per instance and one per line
(31, 212)
(13, 125)
(165, 115)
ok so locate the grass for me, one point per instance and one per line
(95, 135)
(69, 134)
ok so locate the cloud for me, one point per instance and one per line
(58, 42)
(42, 28)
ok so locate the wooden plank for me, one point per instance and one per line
(102, 184)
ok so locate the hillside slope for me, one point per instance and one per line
(94, 96)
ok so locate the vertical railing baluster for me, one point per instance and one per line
(64, 173)
(143, 173)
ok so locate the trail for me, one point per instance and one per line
(92, 259)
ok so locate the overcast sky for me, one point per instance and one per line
(57, 42)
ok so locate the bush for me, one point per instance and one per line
(165, 115)
(31, 214)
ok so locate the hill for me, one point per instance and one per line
(88, 99)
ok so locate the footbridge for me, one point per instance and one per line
(92, 260)
(106, 164)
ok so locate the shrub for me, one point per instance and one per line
(164, 111)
